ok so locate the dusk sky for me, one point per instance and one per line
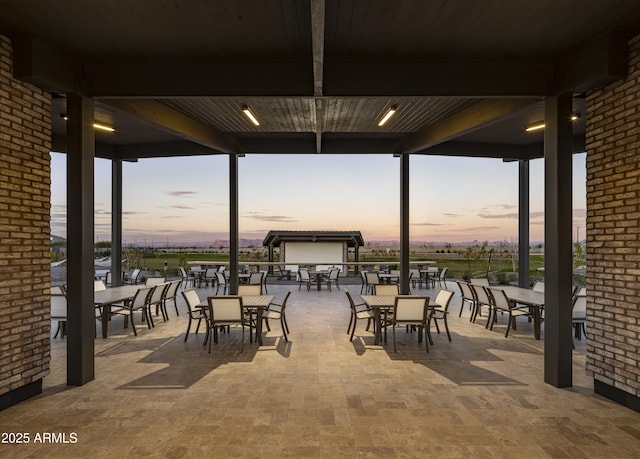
(185, 199)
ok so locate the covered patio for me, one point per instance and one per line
(319, 76)
(320, 395)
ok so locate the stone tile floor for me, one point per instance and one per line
(320, 395)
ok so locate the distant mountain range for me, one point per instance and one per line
(246, 243)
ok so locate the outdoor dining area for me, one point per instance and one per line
(320, 383)
(372, 295)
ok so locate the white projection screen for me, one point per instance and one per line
(313, 252)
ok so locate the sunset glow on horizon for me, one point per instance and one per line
(184, 200)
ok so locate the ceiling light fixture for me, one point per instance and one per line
(540, 124)
(535, 127)
(247, 112)
(102, 127)
(388, 114)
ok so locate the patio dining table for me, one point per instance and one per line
(531, 298)
(257, 302)
(105, 298)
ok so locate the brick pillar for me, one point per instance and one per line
(613, 235)
(25, 141)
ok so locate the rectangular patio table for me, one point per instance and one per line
(531, 298)
(257, 302)
(105, 298)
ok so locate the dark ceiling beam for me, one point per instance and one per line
(165, 79)
(177, 123)
(317, 45)
(475, 117)
(332, 143)
(288, 144)
(161, 150)
(437, 78)
(507, 152)
(597, 63)
(44, 66)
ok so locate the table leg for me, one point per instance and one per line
(319, 281)
(259, 327)
(536, 321)
(376, 326)
(106, 312)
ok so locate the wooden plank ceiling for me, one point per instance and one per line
(172, 77)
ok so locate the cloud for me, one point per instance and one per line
(427, 224)
(180, 206)
(476, 228)
(269, 218)
(182, 194)
(452, 215)
(490, 215)
(513, 215)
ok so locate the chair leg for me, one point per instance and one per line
(285, 323)
(508, 325)
(393, 332)
(427, 338)
(350, 322)
(284, 329)
(353, 330)
(133, 325)
(446, 327)
(188, 328)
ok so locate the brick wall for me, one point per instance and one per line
(25, 140)
(613, 231)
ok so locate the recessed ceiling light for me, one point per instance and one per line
(540, 124)
(249, 114)
(102, 127)
(387, 115)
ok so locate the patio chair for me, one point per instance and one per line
(483, 299)
(332, 277)
(134, 278)
(249, 289)
(154, 280)
(468, 297)
(210, 276)
(255, 278)
(186, 278)
(442, 277)
(479, 281)
(410, 310)
(138, 303)
(191, 298)
(225, 311)
(414, 278)
(265, 276)
(59, 310)
(430, 275)
(155, 299)
(359, 311)
(363, 278)
(538, 286)
(579, 313)
(276, 311)
(221, 281)
(304, 278)
(170, 294)
(372, 280)
(386, 289)
(443, 298)
(502, 303)
(284, 273)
